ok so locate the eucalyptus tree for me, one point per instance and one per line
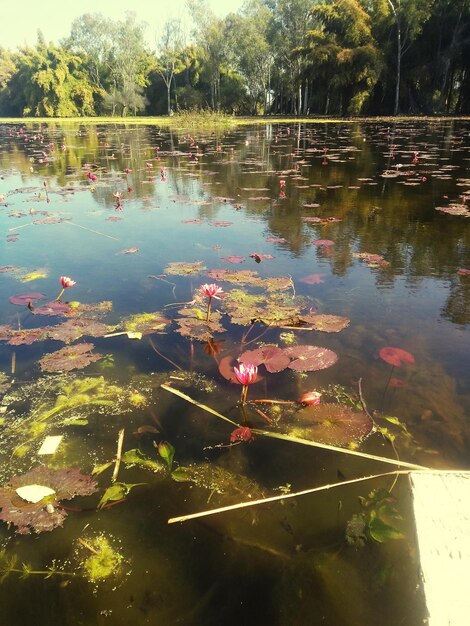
(116, 57)
(211, 38)
(250, 52)
(290, 22)
(170, 60)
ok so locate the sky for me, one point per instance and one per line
(54, 17)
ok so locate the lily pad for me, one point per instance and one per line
(326, 323)
(69, 358)
(27, 516)
(52, 308)
(73, 329)
(396, 356)
(185, 269)
(146, 323)
(273, 358)
(310, 358)
(332, 424)
(25, 298)
(28, 336)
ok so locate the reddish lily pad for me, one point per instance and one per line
(69, 358)
(28, 336)
(26, 298)
(332, 424)
(73, 329)
(310, 358)
(396, 356)
(312, 279)
(29, 516)
(273, 358)
(52, 308)
(323, 243)
(234, 259)
(463, 272)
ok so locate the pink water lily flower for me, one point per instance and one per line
(66, 282)
(246, 374)
(211, 291)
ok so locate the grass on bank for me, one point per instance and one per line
(212, 119)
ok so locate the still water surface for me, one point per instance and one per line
(346, 215)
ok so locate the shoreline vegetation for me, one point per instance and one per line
(198, 119)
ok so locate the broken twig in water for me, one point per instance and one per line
(305, 442)
(90, 230)
(118, 455)
(243, 505)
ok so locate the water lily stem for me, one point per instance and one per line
(208, 310)
(60, 295)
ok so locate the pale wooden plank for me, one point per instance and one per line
(441, 503)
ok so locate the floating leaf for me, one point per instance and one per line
(129, 251)
(396, 356)
(310, 358)
(323, 243)
(136, 457)
(34, 493)
(69, 358)
(275, 309)
(73, 329)
(333, 424)
(27, 516)
(28, 336)
(53, 308)
(146, 323)
(116, 492)
(184, 269)
(26, 298)
(313, 279)
(326, 323)
(234, 259)
(273, 358)
(34, 275)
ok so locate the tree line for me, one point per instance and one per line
(273, 57)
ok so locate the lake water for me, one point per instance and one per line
(366, 223)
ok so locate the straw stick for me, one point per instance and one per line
(176, 392)
(118, 455)
(90, 230)
(325, 446)
(243, 505)
(13, 362)
(305, 442)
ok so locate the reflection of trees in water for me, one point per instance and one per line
(457, 306)
(245, 165)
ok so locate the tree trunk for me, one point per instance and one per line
(305, 111)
